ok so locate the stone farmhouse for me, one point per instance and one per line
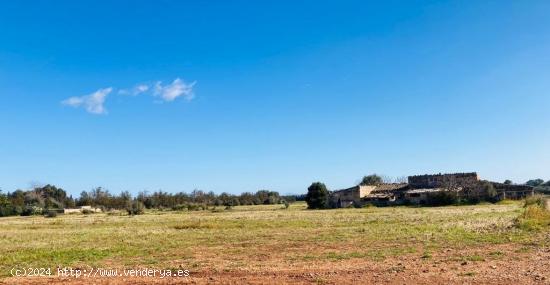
(419, 189)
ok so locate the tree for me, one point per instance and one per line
(3, 199)
(247, 198)
(508, 182)
(489, 192)
(70, 203)
(547, 184)
(135, 207)
(317, 196)
(85, 199)
(534, 182)
(6, 208)
(17, 198)
(263, 196)
(372, 179)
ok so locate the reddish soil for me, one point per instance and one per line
(505, 264)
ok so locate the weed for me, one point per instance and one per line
(426, 255)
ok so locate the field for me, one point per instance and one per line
(270, 244)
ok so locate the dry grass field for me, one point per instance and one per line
(269, 244)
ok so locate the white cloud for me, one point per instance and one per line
(93, 103)
(138, 89)
(174, 90)
(141, 88)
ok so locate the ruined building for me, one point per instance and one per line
(347, 197)
(420, 188)
(454, 180)
(514, 192)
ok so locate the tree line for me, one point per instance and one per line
(51, 198)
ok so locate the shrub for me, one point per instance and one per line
(31, 211)
(442, 198)
(50, 214)
(285, 202)
(9, 210)
(180, 207)
(538, 200)
(196, 207)
(135, 208)
(317, 196)
(536, 215)
(489, 192)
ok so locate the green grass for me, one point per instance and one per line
(253, 237)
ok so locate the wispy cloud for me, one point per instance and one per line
(138, 89)
(93, 103)
(174, 90)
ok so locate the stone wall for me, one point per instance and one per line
(456, 180)
(347, 197)
(510, 191)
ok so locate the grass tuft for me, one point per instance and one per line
(536, 215)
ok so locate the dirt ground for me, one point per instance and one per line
(479, 244)
(512, 266)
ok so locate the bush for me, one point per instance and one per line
(31, 211)
(490, 193)
(536, 215)
(9, 210)
(180, 207)
(196, 207)
(285, 202)
(317, 196)
(442, 198)
(538, 200)
(135, 208)
(50, 214)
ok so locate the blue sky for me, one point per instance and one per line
(245, 95)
